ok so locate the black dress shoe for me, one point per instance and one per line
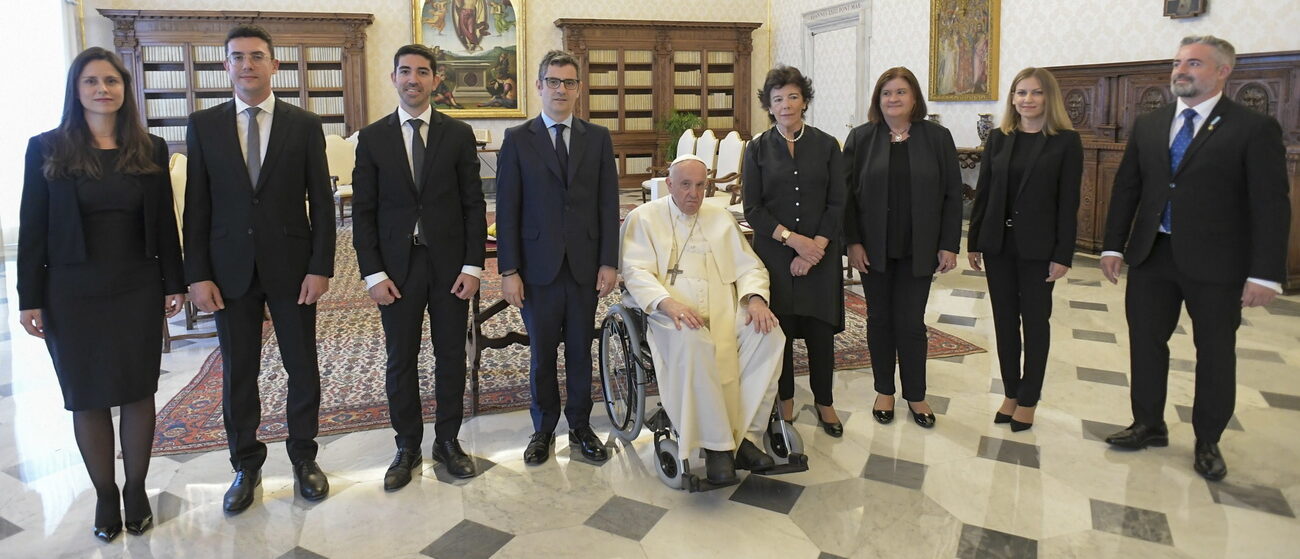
(399, 472)
(1209, 461)
(1018, 426)
(1000, 418)
(1139, 436)
(312, 483)
(833, 429)
(586, 439)
(457, 462)
(719, 466)
(750, 457)
(923, 419)
(240, 494)
(143, 518)
(883, 417)
(108, 518)
(538, 450)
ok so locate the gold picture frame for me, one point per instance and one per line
(480, 48)
(1178, 9)
(964, 50)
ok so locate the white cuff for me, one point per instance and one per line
(476, 271)
(1105, 253)
(654, 305)
(374, 279)
(1275, 286)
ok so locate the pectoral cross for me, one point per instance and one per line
(672, 275)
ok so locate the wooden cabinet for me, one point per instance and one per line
(176, 58)
(636, 73)
(1102, 100)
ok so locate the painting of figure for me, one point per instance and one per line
(1184, 8)
(479, 47)
(964, 50)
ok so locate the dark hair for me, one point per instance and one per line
(71, 150)
(780, 77)
(418, 50)
(250, 30)
(918, 110)
(556, 58)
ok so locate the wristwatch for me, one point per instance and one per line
(785, 236)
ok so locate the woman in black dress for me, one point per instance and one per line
(1023, 226)
(903, 226)
(794, 199)
(99, 265)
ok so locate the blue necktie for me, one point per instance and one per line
(1176, 152)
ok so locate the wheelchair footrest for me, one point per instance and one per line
(696, 484)
(798, 463)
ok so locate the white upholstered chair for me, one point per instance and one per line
(342, 157)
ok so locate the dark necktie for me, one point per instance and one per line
(1176, 152)
(253, 143)
(561, 149)
(417, 152)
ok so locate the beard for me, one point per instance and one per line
(1184, 89)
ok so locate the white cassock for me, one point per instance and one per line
(717, 383)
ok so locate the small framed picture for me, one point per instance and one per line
(1177, 9)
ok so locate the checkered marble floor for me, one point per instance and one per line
(968, 488)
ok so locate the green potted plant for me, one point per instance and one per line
(677, 123)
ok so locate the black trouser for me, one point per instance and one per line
(239, 330)
(561, 311)
(819, 338)
(403, 328)
(896, 327)
(1154, 298)
(1019, 293)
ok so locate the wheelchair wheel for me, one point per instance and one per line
(624, 400)
(668, 464)
(778, 432)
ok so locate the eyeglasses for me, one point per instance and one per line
(256, 57)
(554, 83)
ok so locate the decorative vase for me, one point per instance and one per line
(934, 117)
(984, 126)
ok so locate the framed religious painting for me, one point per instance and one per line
(1177, 9)
(964, 50)
(479, 46)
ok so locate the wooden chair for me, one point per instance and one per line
(192, 314)
(341, 155)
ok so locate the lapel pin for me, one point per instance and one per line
(1214, 122)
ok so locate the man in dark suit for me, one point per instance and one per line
(557, 229)
(419, 229)
(250, 243)
(1200, 213)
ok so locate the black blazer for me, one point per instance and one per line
(50, 231)
(936, 193)
(806, 195)
(232, 225)
(542, 217)
(386, 204)
(1231, 213)
(1047, 205)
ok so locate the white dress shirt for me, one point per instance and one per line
(568, 129)
(264, 120)
(1202, 115)
(426, 116)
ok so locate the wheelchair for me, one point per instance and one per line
(627, 371)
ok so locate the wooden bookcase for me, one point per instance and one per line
(176, 57)
(636, 73)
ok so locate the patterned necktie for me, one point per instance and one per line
(1176, 152)
(253, 142)
(561, 149)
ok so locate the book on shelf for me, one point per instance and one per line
(719, 100)
(335, 128)
(724, 79)
(638, 123)
(325, 105)
(637, 78)
(324, 78)
(209, 53)
(174, 107)
(162, 53)
(290, 100)
(638, 57)
(284, 80)
(716, 122)
(602, 78)
(201, 103)
(638, 165)
(721, 57)
(164, 79)
(639, 102)
(212, 79)
(603, 56)
(324, 54)
(686, 57)
(286, 54)
(689, 78)
(610, 123)
(169, 133)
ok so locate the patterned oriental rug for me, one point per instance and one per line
(352, 358)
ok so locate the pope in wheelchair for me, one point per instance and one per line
(695, 319)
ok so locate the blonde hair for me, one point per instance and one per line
(1055, 118)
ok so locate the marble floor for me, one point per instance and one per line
(968, 488)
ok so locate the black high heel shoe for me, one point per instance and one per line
(1018, 426)
(1000, 418)
(108, 518)
(833, 429)
(144, 521)
(923, 419)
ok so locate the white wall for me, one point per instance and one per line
(1049, 33)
